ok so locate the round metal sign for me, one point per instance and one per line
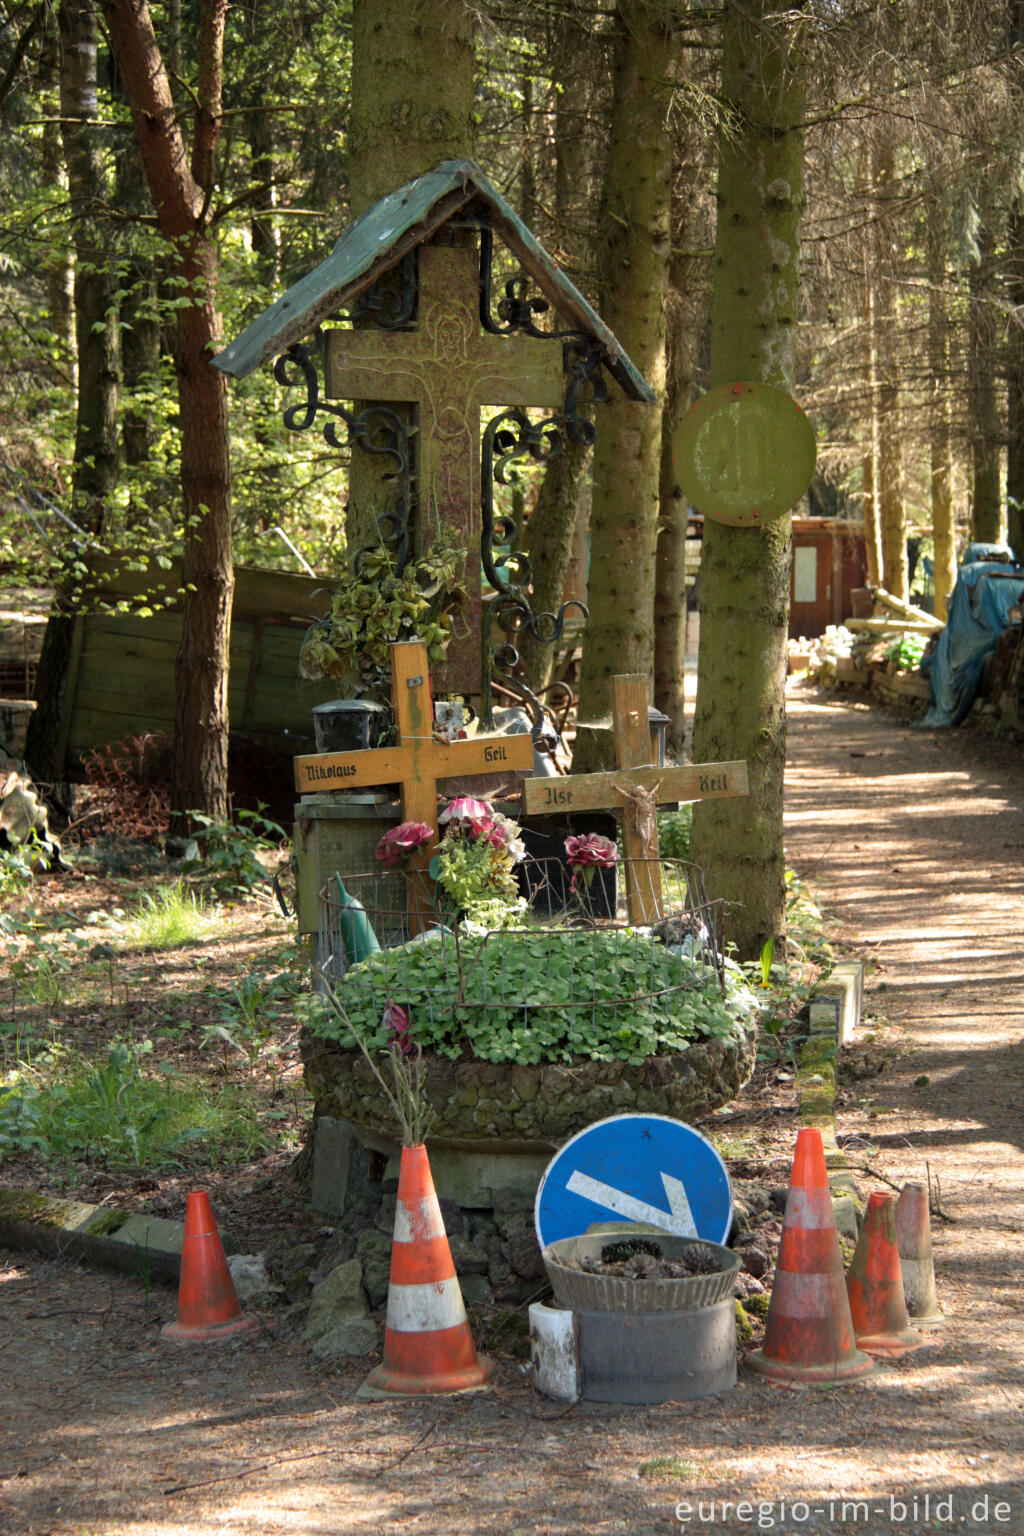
(635, 1168)
(744, 454)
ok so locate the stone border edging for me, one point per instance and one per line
(131, 1241)
(835, 1014)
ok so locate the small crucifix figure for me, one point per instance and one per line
(635, 788)
(449, 367)
(417, 762)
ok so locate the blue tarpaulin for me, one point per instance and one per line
(979, 611)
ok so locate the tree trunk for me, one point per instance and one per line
(943, 524)
(96, 327)
(181, 193)
(413, 80)
(549, 543)
(892, 514)
(986, 508)
(745, 572)
(670, 560)
(1015, 384)
(869, 475)
(634, 243)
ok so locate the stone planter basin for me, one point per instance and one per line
(479, 1103)
(583, 1292)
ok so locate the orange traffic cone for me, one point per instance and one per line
(428, 1347)
(875, 1284)
(208, 1307)
(914, 1241)
(808, 1337)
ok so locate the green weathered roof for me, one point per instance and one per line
(377, 241)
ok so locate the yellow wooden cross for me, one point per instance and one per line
(635, 787)
(418, 761)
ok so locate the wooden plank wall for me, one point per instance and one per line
(125, 672)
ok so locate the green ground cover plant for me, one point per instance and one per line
(543, 995)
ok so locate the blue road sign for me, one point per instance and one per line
(637, 1168)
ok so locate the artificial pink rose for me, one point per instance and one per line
(396, 1022)
(590, 851)
(397, 845)
(466, 809)
(585, 854)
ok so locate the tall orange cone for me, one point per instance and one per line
(914, 1241)
(208, 1306)
(875, 1284)
(808, 1337)
(428, 1347)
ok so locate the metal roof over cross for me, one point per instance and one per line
(448, 367)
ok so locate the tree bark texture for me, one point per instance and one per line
(889, 499)
(549, 544)
(745, 572)
(869, 473)
(413, 83)
(96, 326)
(1015, 384)
(943, 523)
(181, 192)
(986, 505)
(670, 558)
(633, 256)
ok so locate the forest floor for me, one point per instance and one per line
(915, 840)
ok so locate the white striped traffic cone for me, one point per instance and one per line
(914, 1241)
(428, 1347)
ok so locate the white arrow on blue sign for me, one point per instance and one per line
(640, 1168)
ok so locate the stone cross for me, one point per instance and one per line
(636, 788)
(416, 763)
(448, 368)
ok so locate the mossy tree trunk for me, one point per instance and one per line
(1015, 384)
(413, 83)
(985, 435)
(670, 564)
(889, 497)
(633, 257)
(745, 572)
(943, 525)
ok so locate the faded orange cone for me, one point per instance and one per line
(208, 1305)
(875, 1284)
(428, 1347)
(914, 1241)
(808, 1338)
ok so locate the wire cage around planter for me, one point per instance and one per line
(562, 983)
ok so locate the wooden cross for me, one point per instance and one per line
(635, 788)
(416, 763)
(448, 368)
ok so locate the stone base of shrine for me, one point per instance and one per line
(496, 1125)
(495, 1130)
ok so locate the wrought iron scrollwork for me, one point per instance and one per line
(515, 309)
(376, 430)
(390, 306)
(511, 613)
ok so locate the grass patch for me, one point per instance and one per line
(668, 1467)
(121, 1114)
(172, 916)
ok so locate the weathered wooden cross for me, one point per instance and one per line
(635, 788)
(448, 368)
(416, 763)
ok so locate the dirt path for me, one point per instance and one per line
(916, 841)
